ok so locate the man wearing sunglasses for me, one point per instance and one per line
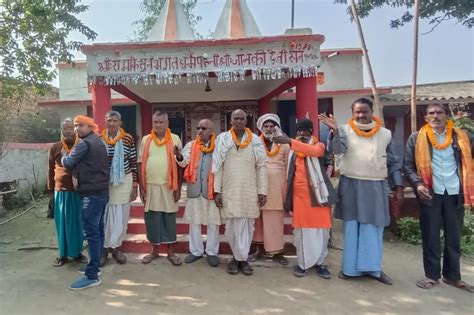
(200, 209)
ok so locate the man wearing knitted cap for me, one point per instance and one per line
(268, 234)
(90, 171)
(368, 160)
(309, 197)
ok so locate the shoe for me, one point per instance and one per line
(279, 258)
(82, 271)
(246, 268)
(213, 260)
(233, 267)
(103, 258)
(323, 271)
(84, 283)
(60, 261)
(119, 257)
(383, 278)
(298, 272)
(191, 258)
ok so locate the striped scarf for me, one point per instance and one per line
(423, 162)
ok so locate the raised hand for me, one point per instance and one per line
(329, 121)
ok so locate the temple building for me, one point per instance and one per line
(193, 78)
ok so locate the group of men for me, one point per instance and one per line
(248, 181)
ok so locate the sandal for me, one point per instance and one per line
(460, 285)
(279, 258)
(174, 260)
(343, 276)
(150, 257)
(246, 268)
(426, 283)
(60, 261)
(255, 256)
(81, 259)
(233, 267)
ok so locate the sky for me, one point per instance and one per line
(446, 54)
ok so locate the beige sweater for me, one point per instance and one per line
(365, 158)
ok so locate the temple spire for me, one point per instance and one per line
(172, 24)
(236, 21)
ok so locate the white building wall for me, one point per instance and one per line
(342, 72)
(73, 84)
(71, 111)
(342, 107)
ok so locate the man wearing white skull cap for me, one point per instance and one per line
(268, 234)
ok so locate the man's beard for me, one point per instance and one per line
(268, 135)
(304, 139)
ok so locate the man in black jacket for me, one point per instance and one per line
(438, 166)
(88, 160)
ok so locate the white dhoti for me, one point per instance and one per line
(196, 246)
(311, 246)
(239, 233)
(117, 213)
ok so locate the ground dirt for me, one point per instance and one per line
(29, 284)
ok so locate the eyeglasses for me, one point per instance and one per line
(201, 128)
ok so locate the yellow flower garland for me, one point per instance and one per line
(157, 141)
(432, 137)
(203, 147)
(301, 155)
(66, 147)
(105, 136)
(366, 134)
(246, 142)
(274, 151)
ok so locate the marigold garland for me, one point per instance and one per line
(157, 141)
(65, 145)
(432, 137)
(203, 147)
(112, 142)
(274, 151)
(301, 155)
(366, 134)
(246, 142)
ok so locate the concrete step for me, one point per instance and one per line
(136, 225)
(137, 243)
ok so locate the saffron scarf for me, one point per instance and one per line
(423, 162)
(172, 167)
(190, 173)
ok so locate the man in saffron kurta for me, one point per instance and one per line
(122, 157)
(309, 197)
(269, 227)
(67, 202)
(241, 185)
(368, 160)
(438, 164)
(200, 206)
(160, 186)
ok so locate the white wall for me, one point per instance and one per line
(71, 111)
(25, 161)
(342, 107)
(342, 72)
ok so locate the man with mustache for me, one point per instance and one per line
(438, 165)
(200, 206)
(268, 234)
(368, 160)
(309, 197)
(240, 187)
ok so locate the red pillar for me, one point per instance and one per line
(145, 113)
(263, 106)
(101, 104)
(307, 101)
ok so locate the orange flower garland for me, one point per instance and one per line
(203, 147)
(106, 138)
(274, 151)
(447, 141)
(301, 155)
(366, 134)
(246, 142)
(65, 145)
(157, 141)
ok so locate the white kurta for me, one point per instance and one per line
(240, 179)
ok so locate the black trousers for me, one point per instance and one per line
(444, 212)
